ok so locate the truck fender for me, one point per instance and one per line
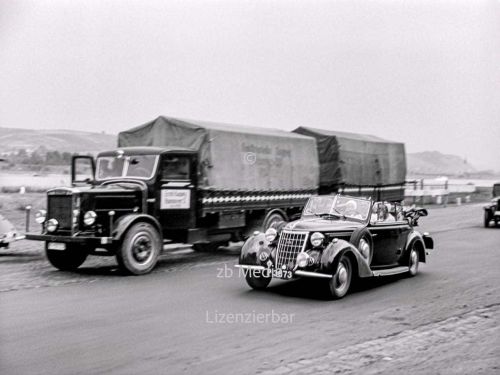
(416, 238)
(331, 257)
(252, 248)
(123, 223)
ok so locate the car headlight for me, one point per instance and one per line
(302, 259)
(89, 217)
(52, 225)
(317, 239)
(41, 216)
(271, 234)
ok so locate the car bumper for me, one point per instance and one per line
(98, 241)
(296, 273)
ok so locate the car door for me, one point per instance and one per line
(388, 240)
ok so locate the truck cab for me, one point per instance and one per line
(123, 203)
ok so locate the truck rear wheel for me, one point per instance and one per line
(140, 248)
(272, 220)
(69, 259)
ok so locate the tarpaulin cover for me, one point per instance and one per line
(357, 159)
(233, 157)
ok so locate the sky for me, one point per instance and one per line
(426, 73)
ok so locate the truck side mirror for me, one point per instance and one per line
(82, 170)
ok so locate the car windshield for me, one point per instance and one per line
(138, 166)
(338, 206)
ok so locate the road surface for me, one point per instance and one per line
(195, 314)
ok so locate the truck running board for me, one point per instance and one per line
(391, 271)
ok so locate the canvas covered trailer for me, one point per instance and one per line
(233, 157)
(359, 164)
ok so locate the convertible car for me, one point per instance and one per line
(338, 238)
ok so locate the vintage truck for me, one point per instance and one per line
(177, 181)
(184, 181)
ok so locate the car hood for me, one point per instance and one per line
(323, 225)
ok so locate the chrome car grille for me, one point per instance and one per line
(60, 208)
(290, 244)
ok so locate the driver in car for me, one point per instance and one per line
(351, 210)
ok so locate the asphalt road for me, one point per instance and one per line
(192, 316)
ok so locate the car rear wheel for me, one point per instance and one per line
(341, 281)
(140, 248)
(257, 282)
(413, 261)
(69, 259)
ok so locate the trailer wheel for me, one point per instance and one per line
(140, 248)
(69, 259)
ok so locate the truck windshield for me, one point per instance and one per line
(343, 207)
(137, 166)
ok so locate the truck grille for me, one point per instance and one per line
(60, 208)
(290, 244)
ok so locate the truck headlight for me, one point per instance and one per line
(52, 225)
(302, 259)
(271, 234)
(41, 216)
(89, 217)
(317, 239)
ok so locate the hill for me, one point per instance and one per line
(12, 140)
(436, 163)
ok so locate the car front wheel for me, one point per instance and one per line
(139, 249)
(257, 282)
(67, 260)
(341, 281)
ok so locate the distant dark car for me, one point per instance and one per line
(492, 210)
(338, 238)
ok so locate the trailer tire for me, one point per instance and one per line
(140, 248)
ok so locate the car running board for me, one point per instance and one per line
(391, 271)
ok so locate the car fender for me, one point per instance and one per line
(416, 237)
(251, 249)
(123, 223)
(333, 252)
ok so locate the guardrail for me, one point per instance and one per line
(437, 192)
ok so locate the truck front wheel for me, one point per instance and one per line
(139, 249)
(69, 259)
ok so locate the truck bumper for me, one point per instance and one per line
(96, 241)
